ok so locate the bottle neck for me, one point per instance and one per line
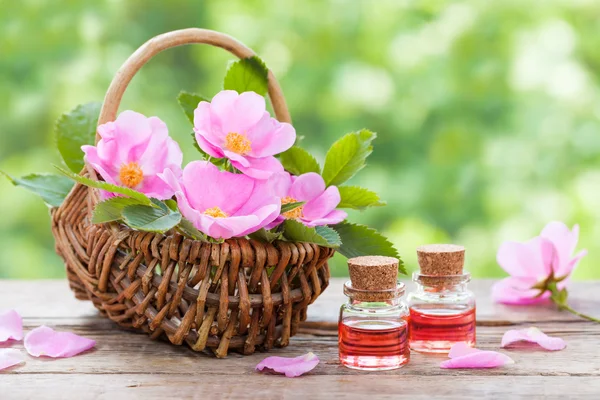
(374, 305)
(442, 284)
(441, 288)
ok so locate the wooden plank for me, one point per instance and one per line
(118, 351)
(195, 385)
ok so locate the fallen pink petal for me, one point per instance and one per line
(461, 349)
(11, 326)
(44, 341)
(291, 367)
(463, 356)
(10, 358)
(533, 335)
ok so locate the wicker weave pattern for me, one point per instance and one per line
(240, 294)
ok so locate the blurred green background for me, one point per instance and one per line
(488, 113)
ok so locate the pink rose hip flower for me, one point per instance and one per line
(320, 202)
(131, 153)
(237, 126)
(222, 204)
(540, 268)
(534, 264)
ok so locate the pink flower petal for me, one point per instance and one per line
(291, 367)
(11, 326)
(461, 349)
(10, 357)
(532, 259)
(533, 335)
(517, 291)
(463, 356)
(44, 341)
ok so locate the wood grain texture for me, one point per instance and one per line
(129, 365)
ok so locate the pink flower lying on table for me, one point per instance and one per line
(237, 126)
(44, 341)
(539, 268)
(222, 204)
(533, 335)
(463, 356)
(320, 202)
(291, 367)
(131, 153)
(11, 326)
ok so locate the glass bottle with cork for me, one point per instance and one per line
(373, 324)
(442, 309)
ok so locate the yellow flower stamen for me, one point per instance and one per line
(131, 174)
(238, 143)
(292, 214)
(215, 212)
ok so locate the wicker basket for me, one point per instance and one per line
(238, 295)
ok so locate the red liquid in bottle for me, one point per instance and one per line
(373, 344)
(436, 330)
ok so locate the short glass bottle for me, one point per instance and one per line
(442, 313)
(373, 329)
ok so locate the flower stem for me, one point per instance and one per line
(559, 297)
(572, 311)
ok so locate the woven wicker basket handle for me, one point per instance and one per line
(177, 38)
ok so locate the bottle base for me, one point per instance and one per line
(436, 346)
(371, 363)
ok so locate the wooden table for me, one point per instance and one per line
(128, 365)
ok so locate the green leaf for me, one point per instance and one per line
(142, 198)
(347, 156)
(189, 102)
(264, 235)
(75, 129)
(188, 229)
(111, 209)
(298, 161)
(359, 240)
(247, 75)
(53, 189)
(291, 206)
(295, 231)
(332, 237)
(358, 198)
(151, 219)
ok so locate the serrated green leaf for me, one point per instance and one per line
(189, 102)
(291, 206)
(347, 156)
(150, 219)
(332, 237)
(53, 189)
(142, 198)
(188, 229)
(111, 209)
(247, 75)
(295, 231)
(298, 161)
(263, 235)
(75, 129)
(359, 240)
(358, 198)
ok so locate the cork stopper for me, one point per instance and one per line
(373, 272)
(441, 259)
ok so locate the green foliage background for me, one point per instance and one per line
(487, 113)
